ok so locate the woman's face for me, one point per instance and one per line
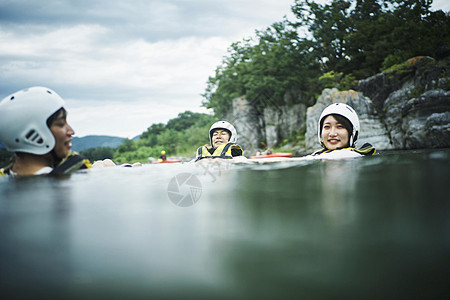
(334, 134)
(219, 137)
(63, 136)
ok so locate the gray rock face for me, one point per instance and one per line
(280, 122)
(270, 127)
(414, 102)
(248, 123)
(421, 122)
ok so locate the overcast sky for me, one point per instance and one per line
(124, 65)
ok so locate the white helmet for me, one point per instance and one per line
(347, 112)
(23, 120)
(223, 125)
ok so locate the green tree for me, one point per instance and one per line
(126, 146)
(371, 35)
(98, 153)
(183, 121)
(262, 69)
(153, 130)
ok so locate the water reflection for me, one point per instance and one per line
(338, 197)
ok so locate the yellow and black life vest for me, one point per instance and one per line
(71, 163)
(226, 151)
(366, 149)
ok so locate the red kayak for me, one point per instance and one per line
(277, 154)
(167, 161)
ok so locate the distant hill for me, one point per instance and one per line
(94, 141)
(1, 145)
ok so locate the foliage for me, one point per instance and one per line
(331, 44)
(98, 153)
(330, 79)
(181, 136)
(261, 70)
(297, 138)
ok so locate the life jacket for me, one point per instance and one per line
(71, 163)
(5, 170)
(366, 149)
(223, 151)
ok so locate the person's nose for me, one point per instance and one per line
(70, 130)
(333, 131)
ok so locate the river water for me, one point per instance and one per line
(372, 227)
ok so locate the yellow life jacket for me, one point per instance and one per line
(223, 151)
(71, 163)
(366, 149)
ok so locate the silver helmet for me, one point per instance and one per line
(23, 120)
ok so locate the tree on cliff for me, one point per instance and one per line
(353, 39)
(262, 69)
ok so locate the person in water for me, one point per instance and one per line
(163, 156)
(223, 139)
(33, 125)
(338, 130)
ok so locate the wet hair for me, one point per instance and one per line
(340, 119)
(60, 113)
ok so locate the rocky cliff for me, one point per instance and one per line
(407, 107)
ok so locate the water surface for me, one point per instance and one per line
(375, 227)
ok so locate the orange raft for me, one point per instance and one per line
(277, 154)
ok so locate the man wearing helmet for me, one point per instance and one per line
(338, 129)
(33, 125)
(222, 138)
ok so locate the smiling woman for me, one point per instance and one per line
(33, 125)
(338, 131)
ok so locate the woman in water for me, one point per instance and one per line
(33, 125)
(338, 130)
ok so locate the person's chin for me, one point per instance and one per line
(333, 146)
